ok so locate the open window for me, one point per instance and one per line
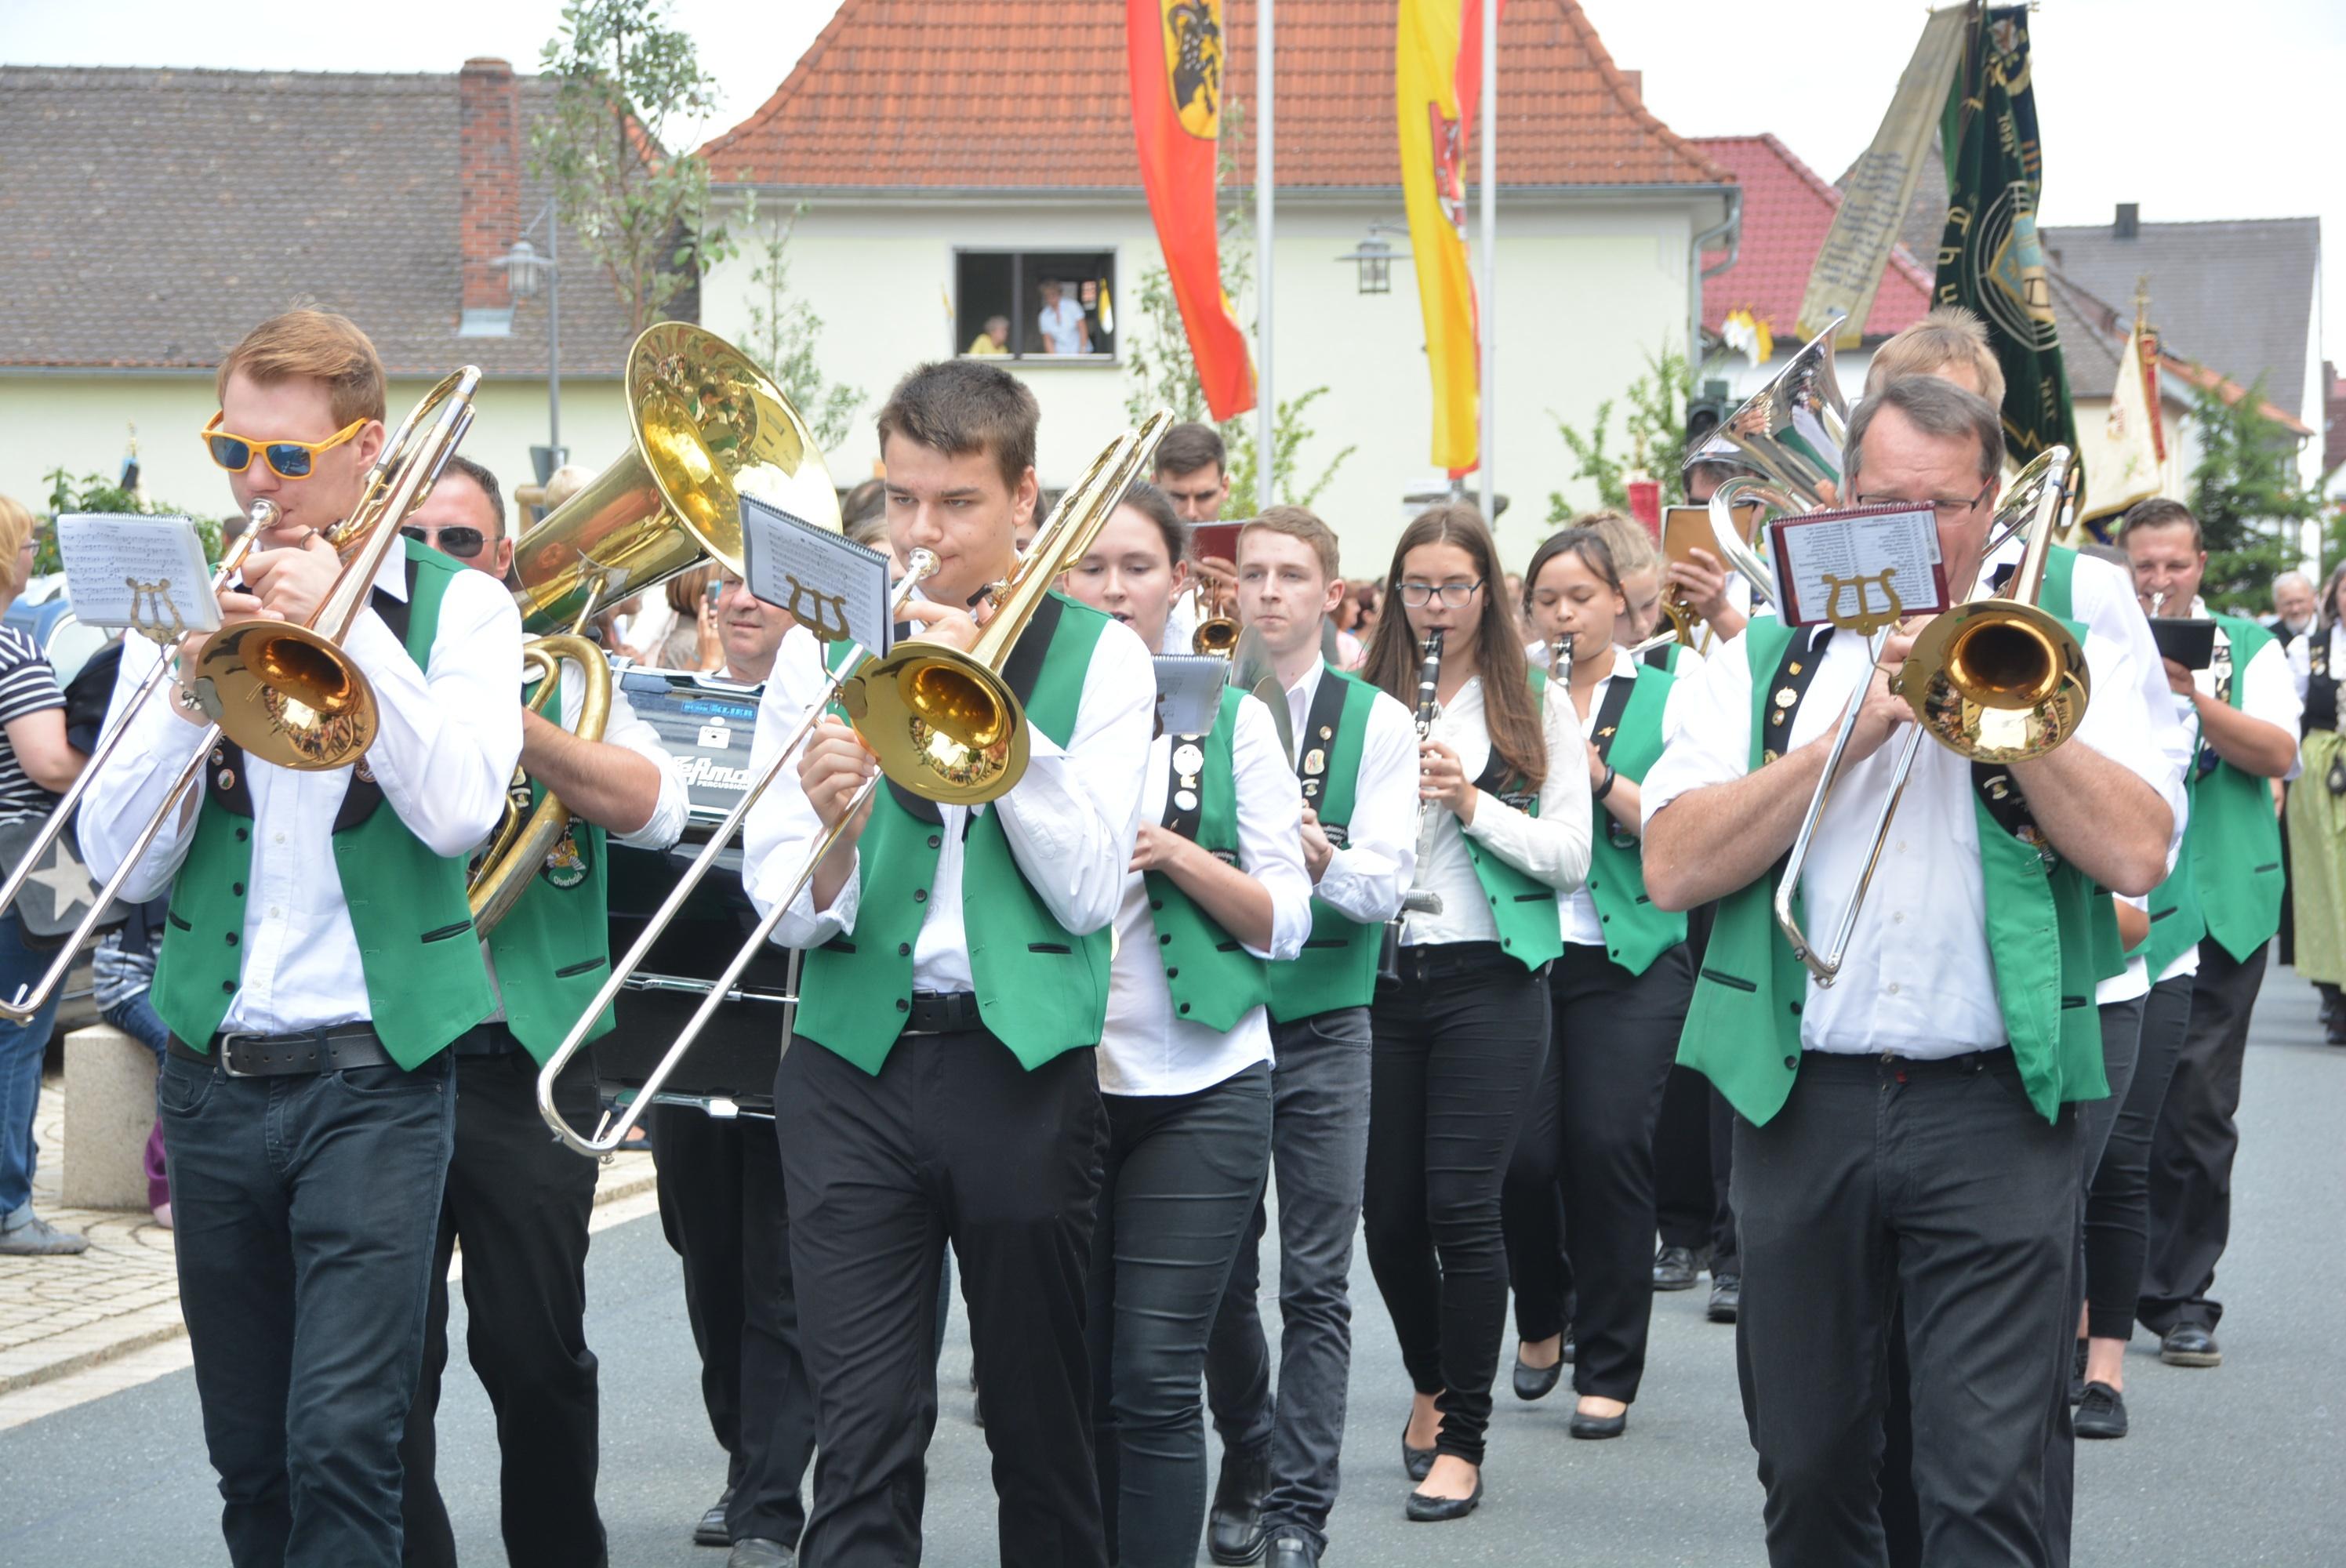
(1035, 304)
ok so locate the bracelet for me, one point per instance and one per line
(1603, 788)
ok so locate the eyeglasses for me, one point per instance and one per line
(1948, 510)
(289, 459)
(460, 542)
(1457, 595)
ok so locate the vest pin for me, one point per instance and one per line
(1186, 798)
(1315, 761)
(228, 778)
(1787, 698)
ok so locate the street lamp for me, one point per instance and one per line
(1374, 257)
(528, 273)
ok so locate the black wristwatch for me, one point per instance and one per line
(1603, 788)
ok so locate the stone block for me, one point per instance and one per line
(109, 1110)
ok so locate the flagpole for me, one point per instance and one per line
(1266, 402)
(1487, 403)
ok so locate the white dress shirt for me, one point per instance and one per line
(2301, 660)
(2268, 689)
(1147, 1048)
(449, 738)
(1367, 878)
(1917, 979)
(1070, 822)
(1551, 848)
(1582, 925)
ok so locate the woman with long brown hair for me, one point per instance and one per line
(1459, 1035)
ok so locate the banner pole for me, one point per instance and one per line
(1266, 401)
(1487, 403)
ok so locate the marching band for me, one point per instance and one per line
(1090, 1007)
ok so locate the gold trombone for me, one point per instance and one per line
(943, 723)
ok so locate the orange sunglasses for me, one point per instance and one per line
(288, 459)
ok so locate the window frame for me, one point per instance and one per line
(1019, 256)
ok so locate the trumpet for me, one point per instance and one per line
(30, 999)
(943, 723)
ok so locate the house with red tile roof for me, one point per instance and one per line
(945, 158)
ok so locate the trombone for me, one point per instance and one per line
(1994, 679)
(942, 724)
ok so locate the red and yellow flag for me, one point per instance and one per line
(1438, 80)
(1175, 50)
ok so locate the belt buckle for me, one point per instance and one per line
(226, 1043)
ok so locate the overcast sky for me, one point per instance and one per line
(2194, 110)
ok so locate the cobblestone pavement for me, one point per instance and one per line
(73, 1328)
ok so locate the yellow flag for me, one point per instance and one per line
(1432, 123)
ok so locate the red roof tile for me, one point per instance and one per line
(1787, 210)
(1018, 94)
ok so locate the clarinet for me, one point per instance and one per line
(1417, 900)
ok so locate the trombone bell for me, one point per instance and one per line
(941, 724)
(314, 708)
(1997, 681)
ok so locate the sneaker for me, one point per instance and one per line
(36, 1237)
(2102, 1413)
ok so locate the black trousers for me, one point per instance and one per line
(1693, 1155)
(1178, 1195)
(1936, 1185)
(952, 1139)
(1457, 1048)
(519, 1201)
(1612, 1037)
(721, 1207)
(2117, 1204)
(2191, 1153)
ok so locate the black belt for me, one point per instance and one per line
(1434, 960)
(277, 1055)
(942, 1013)
(1877, 1063)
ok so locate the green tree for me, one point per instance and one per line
(624, 77)
(2245, 491)
(96, 493)
(784, 327)
(1653, 427)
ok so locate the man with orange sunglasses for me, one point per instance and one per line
(318, 961)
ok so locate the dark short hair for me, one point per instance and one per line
(961, 406)
(1157, 507)
(1587, 544)
(2160, 512)
(1937, 408)
(868, 499)
(1188, 448)
(480, 475)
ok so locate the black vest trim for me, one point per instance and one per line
(1320, 727)
(2320, 685)
(1617, 693)
(1179, 817)
(1793, 673)
(1020, 673)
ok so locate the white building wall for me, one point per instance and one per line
(1587, 290)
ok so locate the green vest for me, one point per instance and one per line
(425, 981)
(1041, 989)
(1338, 965)
(2055, 597)
(553, 950)
(1743, 1030)
(1531, 926)
(1214, 980)
(1636, 933)
(2226, 882)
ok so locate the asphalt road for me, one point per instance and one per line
(2236, 1466)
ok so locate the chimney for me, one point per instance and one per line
(2130, 223)
(488, 188)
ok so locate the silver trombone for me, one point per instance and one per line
(30, 999)
(1994, 679)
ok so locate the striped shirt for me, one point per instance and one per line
(27, 685)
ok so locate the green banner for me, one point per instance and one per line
(1990, 258)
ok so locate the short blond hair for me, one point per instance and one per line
(1949, 335)
(1300, 523)
(16, 525)
(313, 345)
(1625, 539)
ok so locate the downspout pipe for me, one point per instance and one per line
(1730, 229)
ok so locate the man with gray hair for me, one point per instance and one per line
(1910, 1132)
(2293, 608)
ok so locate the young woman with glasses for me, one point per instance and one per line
(1459, 1036)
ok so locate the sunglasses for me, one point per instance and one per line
(461, 542)
(288, 459)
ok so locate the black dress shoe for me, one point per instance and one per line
(1726, 1298)
(756, 1552)
(1536, 1383)
(1416, 1460)
(1594, 1427)
(712, 1530)
(1675, 1269)
(2189, 1345)
(1424, 1510)
(1293, 1548)
(1234, 1533)
(2102, 1413)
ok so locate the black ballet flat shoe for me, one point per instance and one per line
(1536, 1383)
(2102, 1413)
(1423, 1509)
(1596, 1426)
(2189, 1345)
(1416, 1460)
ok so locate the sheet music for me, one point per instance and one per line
(130, 569)
(836, 588)
(1837, 566)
